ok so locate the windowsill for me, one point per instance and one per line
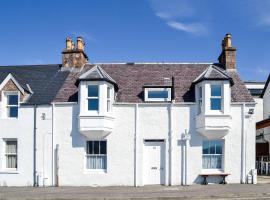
(10, 118)
(212, 171)
(9, 171)
(97, 171)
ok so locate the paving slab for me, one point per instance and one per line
(230, 191)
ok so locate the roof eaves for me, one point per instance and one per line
(265, 87)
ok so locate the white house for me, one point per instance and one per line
(133, 124)
(263, 125)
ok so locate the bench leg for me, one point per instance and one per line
(205, 180)
(223, 180)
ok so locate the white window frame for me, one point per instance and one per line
(109, 99)
(216, 97)
(10, 154)
(222, 154)
(93, 155)
(200, 99)
(147, 90)
(6, 106)
(96, 97)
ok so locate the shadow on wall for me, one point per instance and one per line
(78, 140)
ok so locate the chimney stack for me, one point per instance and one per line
(228, 54)
(74, 56)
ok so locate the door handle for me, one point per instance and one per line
(153, 168)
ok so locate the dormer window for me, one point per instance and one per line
(11, 104)
(157, 94)
(216, 97)
(93, 98)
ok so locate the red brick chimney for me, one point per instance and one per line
(74, 56)
(228, 54)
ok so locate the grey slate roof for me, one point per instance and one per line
(213, 73)
(44, 80)
(97, 74)
(131, 78)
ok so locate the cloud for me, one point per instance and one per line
(176, 13)
(195, 28)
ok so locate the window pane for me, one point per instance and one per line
(96, 162)
(215, 90)
(13, 112)
(89, 147)
(158, 94)
(103, 147)
(205, 147)
(11, 146)
(200, 92)
(108, 92)
(93, 104)
(92, 90)
(218, 147)
(211, 161)
(11, 161)
(96, 147)
(215, 103)
(12, 99)
(212, 147)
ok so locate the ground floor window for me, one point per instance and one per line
(11, 153)
(212, 154)
(96, 155)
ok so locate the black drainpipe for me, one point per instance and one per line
(173, 92)
(34, 159)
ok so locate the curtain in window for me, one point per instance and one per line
(11, 154)
(96, 162)
(212, 161)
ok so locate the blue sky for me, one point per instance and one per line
(34, 32)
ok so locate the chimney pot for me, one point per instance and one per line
(68, 43)
(80, 43)
(228, 55)
(228, 40)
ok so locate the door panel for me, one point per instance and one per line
(153, 163)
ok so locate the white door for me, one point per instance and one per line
(154, 168)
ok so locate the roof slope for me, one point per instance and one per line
(44, 80)
(265, 86)
(132, 77)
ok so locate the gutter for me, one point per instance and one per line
(53, 174)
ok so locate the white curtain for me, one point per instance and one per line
(11, 154)
(212, 161)
(96, 162)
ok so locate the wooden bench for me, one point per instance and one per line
(223, 176)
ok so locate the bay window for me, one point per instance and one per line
(96, 155)
(200, 100)
(108, 99)
(212, 154)
(11, 153)
(216, 97)
(93, 97)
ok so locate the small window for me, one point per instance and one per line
(255, 92)
(11, 154)
(200, 100)
(109, 99)
(212, 154)
(157, 94)
(12, 105)
(96, 155)
(92, 98)
(216, 97)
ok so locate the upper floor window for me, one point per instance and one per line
(93, 97)
(216, 97)
(157, 94)
(212, 154)
(109, 101)
(200, 100)
(12, 104)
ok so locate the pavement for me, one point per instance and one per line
(229, 191)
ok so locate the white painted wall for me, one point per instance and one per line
(266, 103)
(21, 129)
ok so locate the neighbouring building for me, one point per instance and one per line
(94, 124)
(263, 125)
